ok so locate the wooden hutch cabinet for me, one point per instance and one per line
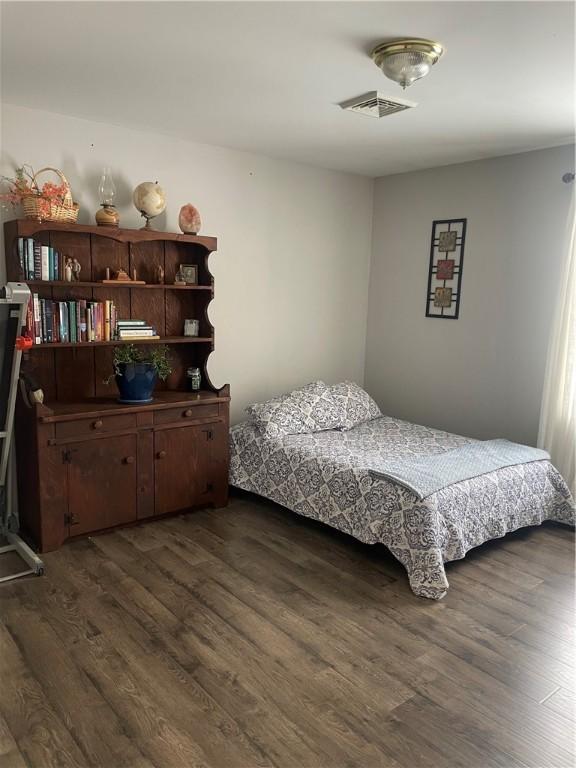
(87, 463)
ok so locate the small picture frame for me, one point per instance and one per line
(188, 273)
(445, 269)
(443, 297)
(447, 241)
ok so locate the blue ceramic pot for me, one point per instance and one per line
(136, 382)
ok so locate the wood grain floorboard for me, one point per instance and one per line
(10, 755)
(253, 638)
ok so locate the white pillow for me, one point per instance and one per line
(354, 404)
(308, 409)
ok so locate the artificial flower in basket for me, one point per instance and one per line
(51, 202)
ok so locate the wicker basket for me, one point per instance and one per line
(40, 208)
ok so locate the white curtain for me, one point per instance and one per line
(557, 433)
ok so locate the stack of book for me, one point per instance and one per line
(39, 262)
(51, 322)
(133, 330)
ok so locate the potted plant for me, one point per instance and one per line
(137, 370)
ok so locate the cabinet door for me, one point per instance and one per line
(183, 459)
(101, 483)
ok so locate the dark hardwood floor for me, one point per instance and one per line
(251, 637)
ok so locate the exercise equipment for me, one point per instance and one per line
(14, 301)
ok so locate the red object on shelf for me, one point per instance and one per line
(22, 342)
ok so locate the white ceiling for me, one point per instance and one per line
(267, 76)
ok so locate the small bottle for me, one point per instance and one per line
(195, 378)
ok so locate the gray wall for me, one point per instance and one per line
(293, 260)
(293, 242)
(480, 375)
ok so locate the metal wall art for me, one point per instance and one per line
(445, 272)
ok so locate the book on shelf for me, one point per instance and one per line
(96, 311)
(82, 317)
(45, 270)
(70, 321)
(134, 333)
(142, 337)
(49, 307)
(29, 331)
(37, 335)
(38, 261)
(42, 321)
(30, 259)
(133, 329)
(37, 258)
(22, 259)
(89, 321)
(63, 325)
(109, 320)
(130, 323)
(23, 255)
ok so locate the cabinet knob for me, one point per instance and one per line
(129, 460)
(189, 412)
(97, 424)
(161, 455)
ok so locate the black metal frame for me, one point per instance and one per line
(460, 242)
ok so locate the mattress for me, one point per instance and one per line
(329, 476)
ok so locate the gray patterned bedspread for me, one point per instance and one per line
(327, 476)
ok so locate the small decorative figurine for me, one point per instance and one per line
(159, 274)
(122, 277)
(68, 269)
(189, 219)
(76, 269)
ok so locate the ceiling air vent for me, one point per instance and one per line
(374, 104)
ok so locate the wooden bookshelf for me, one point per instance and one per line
(86, 462)
(116, 342)
(87, 284)
(31, 228)
(164, 306)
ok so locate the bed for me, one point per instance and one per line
(328, 475)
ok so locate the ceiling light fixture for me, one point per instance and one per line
(406, 61)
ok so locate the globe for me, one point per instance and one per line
(150, 200)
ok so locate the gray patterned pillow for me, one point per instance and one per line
(354, 404)
(308, 409)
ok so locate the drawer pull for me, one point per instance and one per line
(161, 455)
(188, 413)
(129, 460)
(97, 424)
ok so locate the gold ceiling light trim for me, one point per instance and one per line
(407, 60)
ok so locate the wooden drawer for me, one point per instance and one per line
(94, 426)
(185, 413)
